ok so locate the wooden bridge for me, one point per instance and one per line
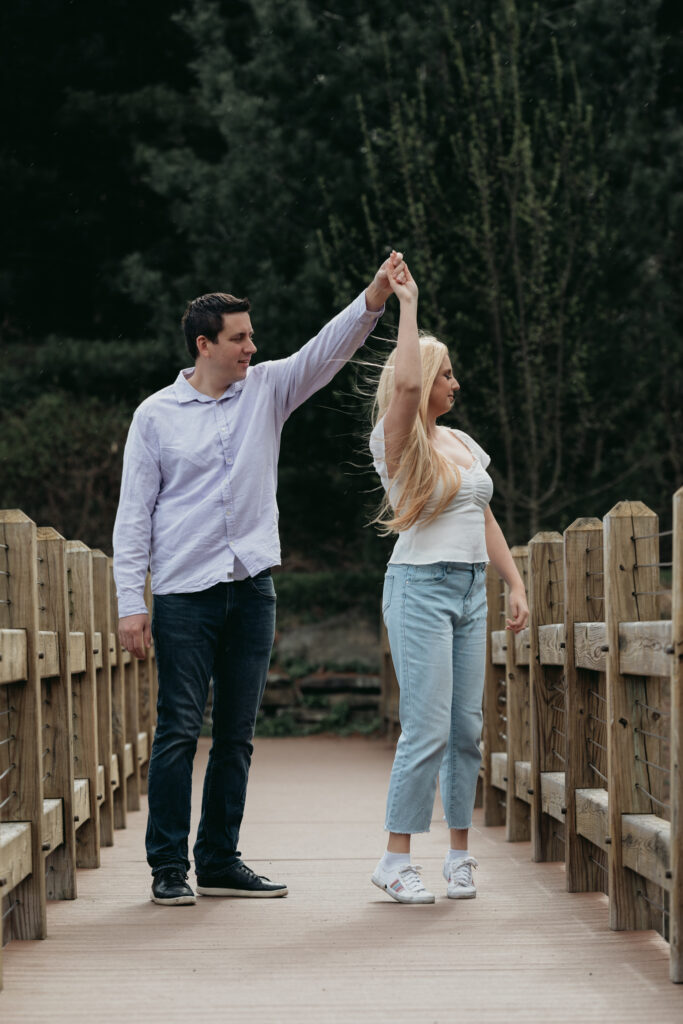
(581, 792)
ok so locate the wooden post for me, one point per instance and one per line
(24, 792)
(57, 712)
(586, 763)
(102, 624)
(86, 759)
(494, 707)
(118, 709)
(517, 821)
(546, 689)
(676, 892)
(630, 533)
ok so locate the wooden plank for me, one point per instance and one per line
(626, 600)
(499, 646)
(522, 645)
(58, 721)
(517, 825)
(552, 795)
(592, 817)
(585, 700)
(499, 767)
(15, 854)
(522, 775)
(23, 796)
(115, 773)
(97, 640)
(645, 648)
(128, 760)
(84, 685)
(494, 707)
(104, 649)
(48, 653)
(676, 893)
(590, 638)
(81, 802)
(118, 707)
(77, 651)
(551, 645)
(646, 841)
(12, 655)
(546, 684)
(53, 825)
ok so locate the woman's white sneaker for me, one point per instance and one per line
(402, 884)
(458, 874)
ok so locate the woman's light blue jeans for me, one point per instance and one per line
(436, 620)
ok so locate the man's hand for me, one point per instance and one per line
(377, 293)
(135, 634)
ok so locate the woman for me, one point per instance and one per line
(434, 600)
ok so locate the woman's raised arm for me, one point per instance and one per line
(405, 399)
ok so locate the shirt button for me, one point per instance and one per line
(228, 511)
(229, 461)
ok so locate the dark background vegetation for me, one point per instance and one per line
(526, 156)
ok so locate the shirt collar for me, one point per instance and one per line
(184, 391)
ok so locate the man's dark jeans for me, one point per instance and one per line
(225, 632)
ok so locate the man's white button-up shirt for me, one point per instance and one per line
(200, 474)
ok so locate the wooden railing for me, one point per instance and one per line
(583, 714)
(76, 720)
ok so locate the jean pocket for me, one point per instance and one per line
(386, 593)
(263, 585)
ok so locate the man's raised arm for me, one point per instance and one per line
(299, 376)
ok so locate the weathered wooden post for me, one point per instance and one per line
(494, 703)
(118, 709)
(21, 763)
(102, 624)
(676, 892)
(86, 758)
(546, 688)
(631, 541)
(586, 718)
(517, 822)
(57, 711)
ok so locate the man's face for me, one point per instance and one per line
(231, 354)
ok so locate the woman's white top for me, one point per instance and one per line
(458, 533)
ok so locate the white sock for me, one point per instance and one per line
(394, 861)
(456, 855)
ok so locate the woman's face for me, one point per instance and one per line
(443, 391)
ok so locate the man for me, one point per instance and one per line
(198, 499)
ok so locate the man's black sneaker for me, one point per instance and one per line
(170, 888)
(239, 880)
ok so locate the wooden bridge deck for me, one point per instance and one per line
(336, 949)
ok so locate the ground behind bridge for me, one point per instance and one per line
(336, 949)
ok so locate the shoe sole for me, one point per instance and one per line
(210, 890)
(174, 901)
(395, 896)
(462, 896)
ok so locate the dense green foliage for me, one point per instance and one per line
(525, 155)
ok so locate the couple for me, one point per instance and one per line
(198, 504)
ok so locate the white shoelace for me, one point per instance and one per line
(410, 878)
(461, 870)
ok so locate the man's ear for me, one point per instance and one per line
(203, 343)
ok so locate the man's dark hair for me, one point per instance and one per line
(204, 315)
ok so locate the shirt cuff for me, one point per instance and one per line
(369, 314)
(131, 604)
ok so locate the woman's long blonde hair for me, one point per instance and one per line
(421, 467)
